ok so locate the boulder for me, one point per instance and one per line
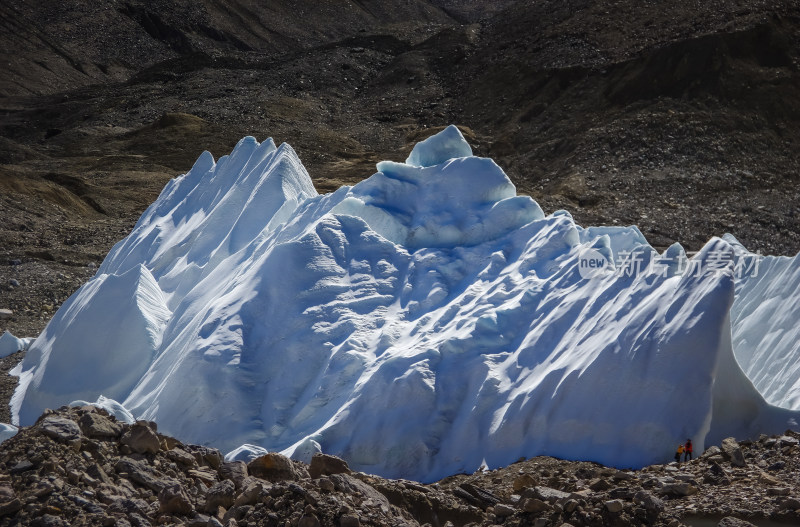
(599, 485)
(128, 506)
(733, 452)
(96, 426)
(325, 465)
(9, 503)
(550, 495)
(178, 455)
(235, 471)
(250, 495)
(172, 499)
(678, 489)
(716, 475)
(523, 481)
(141, 473)
(205, 455)
(59, 428)
(142, 438)
(614, 506)
(535, 505)
(274, 467)
(222, 494)
(502, 510)
(648, 501)
(97, 473)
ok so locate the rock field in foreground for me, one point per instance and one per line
(79, 466)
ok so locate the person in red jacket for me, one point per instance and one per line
(687, 450)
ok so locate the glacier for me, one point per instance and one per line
(420, 323)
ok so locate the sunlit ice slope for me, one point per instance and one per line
(418, 324)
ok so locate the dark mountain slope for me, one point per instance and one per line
(681, 117)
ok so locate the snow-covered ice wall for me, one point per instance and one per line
(417, 324)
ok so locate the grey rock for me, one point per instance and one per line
(250, 495)
(235, 471)
(178, 455)
(141, 473)
(716, 475)
(5, 314)
(236, 513)
(325, 465)
(621, 475)
(85, 504)
(535, 505)
(550, 495)
(205, 455)
(600, 485)
(173, 499)
(141, 438)
(59, 428)
(222, 494)
(97, 473)
(648, 501)
(22, 466)
(614, 506)
(348, 484)
(97, 426)
(788, 441)
(733, 452)
(9, 503)
(621, 493)
(502, 510)
(679, 489)
(778, 465)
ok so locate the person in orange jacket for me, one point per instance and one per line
(687, 450)
(678, 454)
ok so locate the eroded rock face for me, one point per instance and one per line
(79, 466)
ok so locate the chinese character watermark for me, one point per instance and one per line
(593, 264)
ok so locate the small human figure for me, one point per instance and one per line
(687, 450)
(678, 454)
